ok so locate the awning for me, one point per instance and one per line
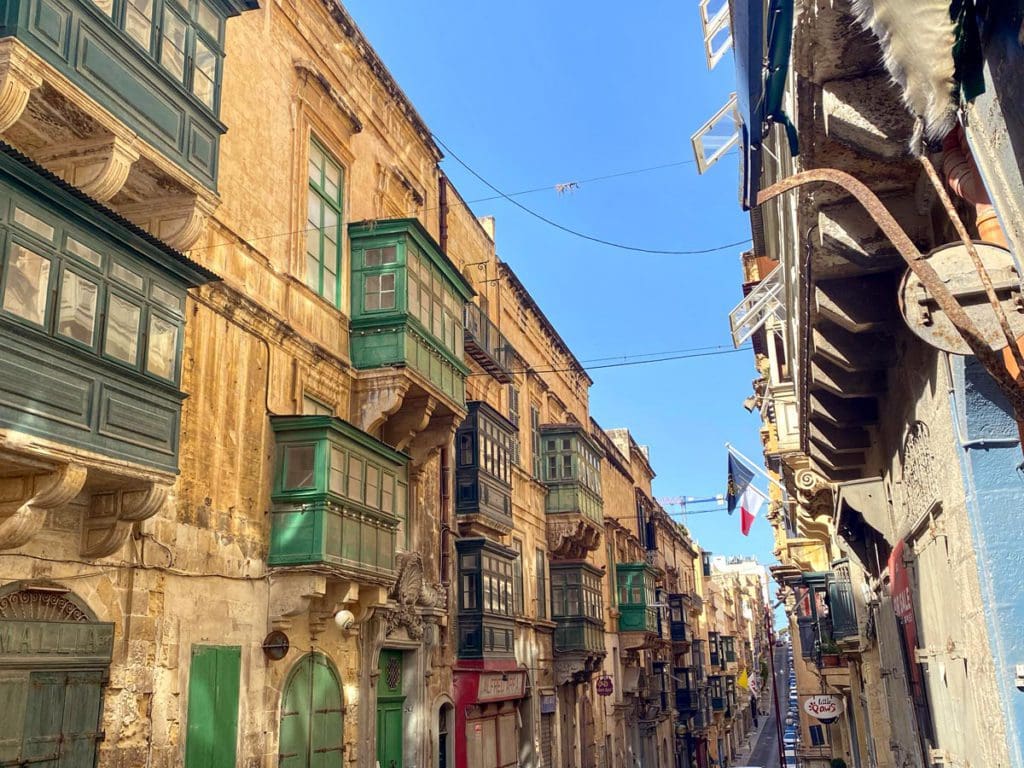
(862, 520)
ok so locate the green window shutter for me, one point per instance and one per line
(13, 699)
(295, 717)
(83, 700)
(213, 706)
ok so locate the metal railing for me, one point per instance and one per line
(486, 344)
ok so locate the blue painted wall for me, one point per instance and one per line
(991, 460)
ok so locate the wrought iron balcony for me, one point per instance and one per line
(486, 344)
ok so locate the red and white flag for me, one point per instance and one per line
(750, 504)
(741, 492)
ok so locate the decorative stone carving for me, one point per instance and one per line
(291, 593)
(409, 421)
(18, 78)
(98, 167)
(410, 592)
(25, 499)
(177, 220)
(920, 472)
(571, 536)
(380, 394)
(112, 514)
(576, 669)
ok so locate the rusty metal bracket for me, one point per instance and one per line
(986, 279)
(992, 361)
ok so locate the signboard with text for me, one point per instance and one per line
(824, 707)
(499, 686)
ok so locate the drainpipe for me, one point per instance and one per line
(442, 212)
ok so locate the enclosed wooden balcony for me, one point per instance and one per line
(570, 463)
(484, 445)
(122, 100)
(486, 599)
(339, 500)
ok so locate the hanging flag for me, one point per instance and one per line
(742, 681)
(750, 504)
(739, 478)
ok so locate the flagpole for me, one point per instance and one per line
(729, 447)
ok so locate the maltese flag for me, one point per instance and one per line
(750, 504)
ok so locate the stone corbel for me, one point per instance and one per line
(409, 421)
(177, 220)
(379, 394)
(98, 167)
(24, 501)
(439, 432)
(291, 594)
(112, 514)
(18, 78)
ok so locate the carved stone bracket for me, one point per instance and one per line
(112, 514)
(178, 220)
(99, 167)
(576, 669)
(379, 394)
(411, 595)
(572, 536)
(18, 78)
(24, 501)
(409, 421)
(440, 431)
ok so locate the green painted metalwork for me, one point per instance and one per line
(636, 597)
(159, 73)
(390, 702)
(212, 726)
(92, 320)
(340, 497)
(486, 599)
(407, 304)
(312, 716)
(571, 470)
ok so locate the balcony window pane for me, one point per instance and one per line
(336, 476)
(165, 297)
(372, 486)
(122, 331)
(33, 224)
(138, 21)
(77, 312)
(124, 275)
(28, 279)
(298, 466)
(163, 347)
(105, 6)
(355, 478)
(387, 493)
(172, 46)
(208, 20)
(83, 251)
(204, 73)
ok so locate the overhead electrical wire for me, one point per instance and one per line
(589, 368)
(499, 196)
(577, 233)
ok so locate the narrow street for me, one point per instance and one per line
(766, 752)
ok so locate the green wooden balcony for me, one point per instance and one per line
(339, 499)
(637, 610)
(484, 445)
(408, 301)
(486, 599)
(577, 606)
(569, 464)
(842, 611)
(155, 66)
(92, 321)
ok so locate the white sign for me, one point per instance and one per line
(823, 707)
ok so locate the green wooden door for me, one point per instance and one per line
(56, 717)
(390, 701)
(213, 680)
(312, 716)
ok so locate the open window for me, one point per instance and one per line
(715, 24)
(717, 136)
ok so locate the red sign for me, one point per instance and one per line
(903, 606)
(604, 686)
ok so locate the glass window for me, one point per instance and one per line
(106, 6)
(83, 251)
(466, 449)
(76, 316)
(33, 224)
(208, 20)
(122, 330)
(379, 291)
(323, 225)
(372, 486)
(336, 477)
(375, 257)
(124, 275)
(138, 21)
(355, 478)
(542, 584)
(162, 296)
(298, 466)
(27, 284)
(172, 44)
(163, 347)
(387, 493)
(204, 73)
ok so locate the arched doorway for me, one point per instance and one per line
(312, 716)
(54, 660)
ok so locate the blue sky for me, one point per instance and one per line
(532, 93)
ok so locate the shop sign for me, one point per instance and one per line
(824, 707)
(604, 686)
(547, 704)
(903, 607)
(498, 686)
(77, 643)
